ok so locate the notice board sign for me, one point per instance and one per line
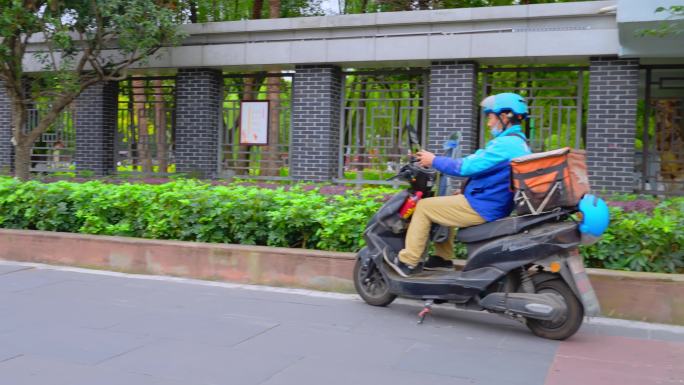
(254, 122)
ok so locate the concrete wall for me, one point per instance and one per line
(527, 33)
(636, 15)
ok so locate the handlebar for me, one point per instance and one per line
(403, 174)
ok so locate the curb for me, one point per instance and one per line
(648, 297)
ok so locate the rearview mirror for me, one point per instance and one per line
(414, 142)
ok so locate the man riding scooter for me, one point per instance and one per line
(486, 196)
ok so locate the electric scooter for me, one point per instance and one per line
(527, 268)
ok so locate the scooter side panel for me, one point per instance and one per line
(510, 252)
(454, 285)
(430, 287)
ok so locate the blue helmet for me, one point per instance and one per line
(505, 102)
(595, 215)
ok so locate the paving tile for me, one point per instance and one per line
(222, 331)
(202, 364)
(70, 344)
(337, 346)
(28, 279)
(31, 370)
(8, 269)
(593, 359)
(60, 327)
(479, 364)
(313, 371)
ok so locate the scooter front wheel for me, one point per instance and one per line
(571, 320)
(370, 284)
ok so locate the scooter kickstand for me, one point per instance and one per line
(427, 309)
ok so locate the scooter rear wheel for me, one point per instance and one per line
(370, 284)
(569, 323)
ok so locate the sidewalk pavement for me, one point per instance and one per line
(77, 327)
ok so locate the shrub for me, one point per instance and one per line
(642, 237)
(645, 234)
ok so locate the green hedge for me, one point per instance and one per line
(644, 239)
(194, 211)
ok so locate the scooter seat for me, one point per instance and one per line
(506, 226)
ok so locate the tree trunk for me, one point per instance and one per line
(256, 9)
(249, 92)
(424, 4)
(193, 11)
(131, 133)
(270, 154)
(24, 140)
(22, 157)
(362, 157)
(350, 118)
(669, 142)
(139, 99)
(160, 127)
(273, 9)
(22, 160)
(251, 89)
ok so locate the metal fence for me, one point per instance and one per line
(660, 131)
(251, 161)
(376, 106)
(145, 135)
(556, 98)
(54, 150)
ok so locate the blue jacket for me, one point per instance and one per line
(488, 189)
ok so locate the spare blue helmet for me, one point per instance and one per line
(505, 102)
(595, 215)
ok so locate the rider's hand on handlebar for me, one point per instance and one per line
(425, 158)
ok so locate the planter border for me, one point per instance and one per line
(651, 297)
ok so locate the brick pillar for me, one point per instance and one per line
(452, 105)
(611, 123)
(6, 147)
(198, 117)
(95, 123)
(315, 123)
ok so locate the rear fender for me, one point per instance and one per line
(573, 273)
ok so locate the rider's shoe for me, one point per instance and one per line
(400, 267)
(435, 262)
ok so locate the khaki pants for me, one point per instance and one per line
(452, 211)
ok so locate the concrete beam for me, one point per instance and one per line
(522, 33)
(636, 15)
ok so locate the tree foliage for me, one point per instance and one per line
(368, 6)
(203, 11)
(78, 43)
(674, 25)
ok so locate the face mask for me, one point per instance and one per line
(495, 132)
